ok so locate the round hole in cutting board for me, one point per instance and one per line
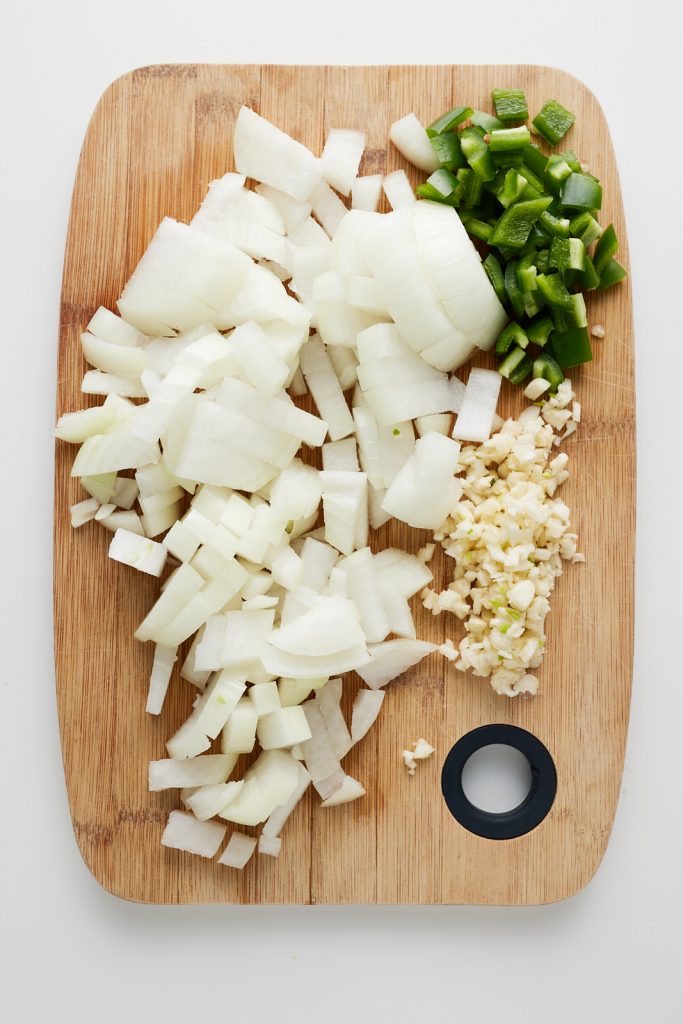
(535, 804)
(496, 778)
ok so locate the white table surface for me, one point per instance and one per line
(71, 952)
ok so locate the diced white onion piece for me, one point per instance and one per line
(349, 790)
(217, 702)
(339, 323)
(244, 218)
(425, 490)
(292, 211)
(327, 394)
(205, 770)
(156, 523)
(138, 552)
(265, 698)
(279, 413)
(162, 667)
(293, 691)
(455, 271)
(345, 365)
(117, 359)
(283, 728)
(535, 388)
(261, 366)
(341, 455)
(378, 517)
(345, 509)
(76, 427)
(123, 520)
(187, 741)
(245, 635)
(184, 279)
(475, 419)
(439, 423)
(110, 327)
(398, 190)
(329, 626)
(263, 152)
(83, 512)
(277, 819)
(238, 851)
(296, 492)
(399, 388)
(327, 787)
(366, 192)
(269, 782)
(402, 572)
(318, 560)
(269, 845)
(309, 234)
(95, 382)
(207, 801)
(328, 208)
(411, 139)
(180, 589)
(362, 583)
(297, 387)
(341, 158)
(125, 492)
(282, 663)
(321, 761)
(185, 832)
(364, 293)
(366, 708)
(110, 452)
(239, 733)
(457, 389)
(189, 669)
(211, 598)
(328, 699)
(391, 659)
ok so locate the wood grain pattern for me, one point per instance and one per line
(156, 139)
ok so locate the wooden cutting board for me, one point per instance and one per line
(156, 139)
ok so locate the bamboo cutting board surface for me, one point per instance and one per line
(156, 139)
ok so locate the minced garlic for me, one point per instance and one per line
(508, 537)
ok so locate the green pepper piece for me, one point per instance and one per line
(449, 120)
(605, 249)
(585, 227)
(511, 335)
(510, 105)
(494, 272)
(521, 371)
(444, 182)
(526, 273)
(512, 158)
(471, 187)
(567, 254)
(514, 226)
(504, 139)
(477, 153)
(512, 360)
(542, 261)
(479, 228)
(557, 170)
(532, 179)
(539, 330)
(586, 279)
(486, 121)
(553, 121)
(512, 289)
(558, 227)
(572, 347)
(535, 159)
(448, 150)
(581, 192)
(554, 291)
(426, 191)
(572, 159)
(546, 367)
(513, 186)
(613, 273)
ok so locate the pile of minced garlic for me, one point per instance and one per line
(508, 537)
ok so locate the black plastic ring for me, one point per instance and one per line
(535, 805)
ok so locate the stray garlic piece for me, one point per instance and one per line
(420, 752)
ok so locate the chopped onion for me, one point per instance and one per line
(138, 552)
(277, 819)
(391, 659)
(207, 801)
(162, 667)
(366, 708)
(411, 139)
(267, 154)
(349, 790)
(341, 158)
(398, 190)
(366, 192)
(269, 845)
(475, 419)
(184, 832)
(238, 851)
(328, 208)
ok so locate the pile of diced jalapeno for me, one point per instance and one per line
(538, 216)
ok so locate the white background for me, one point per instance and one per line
(72, 952)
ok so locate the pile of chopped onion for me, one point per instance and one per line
(207, 472)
